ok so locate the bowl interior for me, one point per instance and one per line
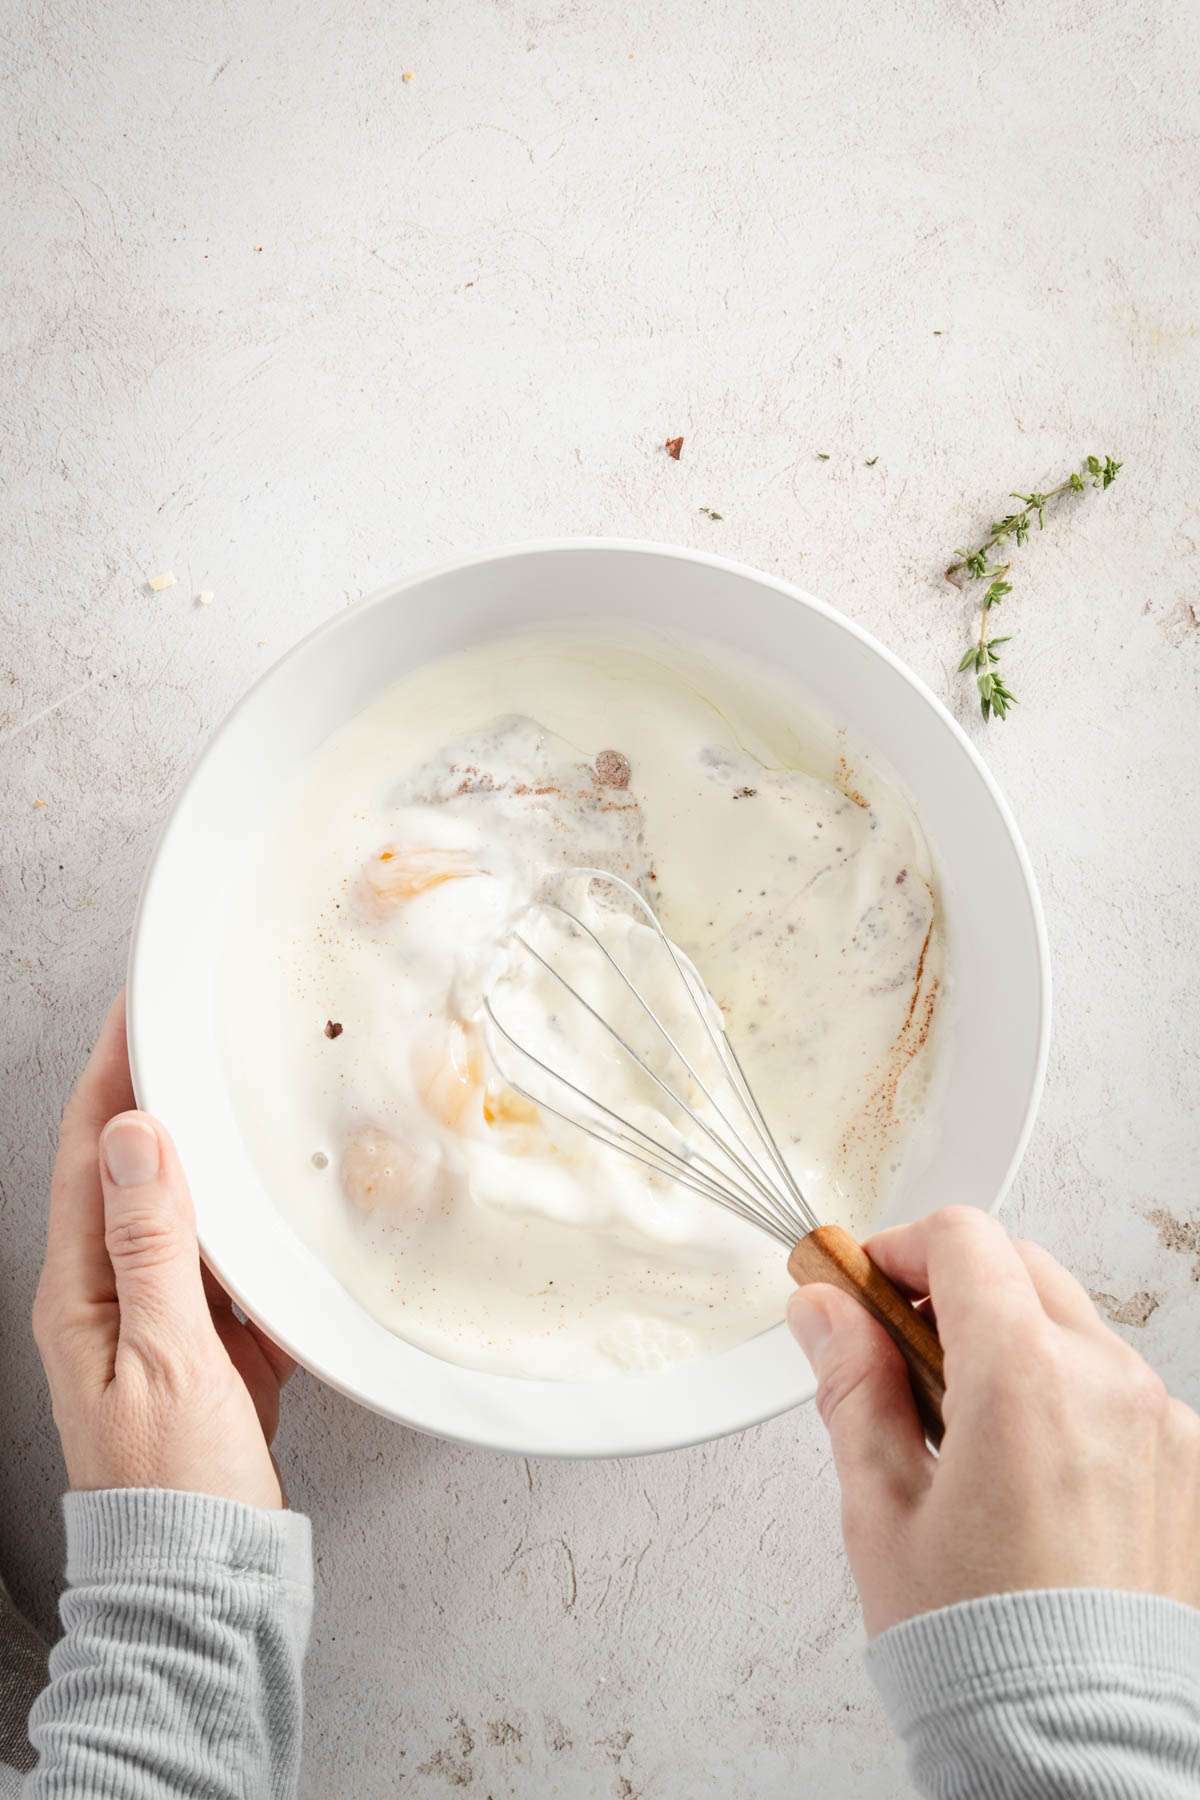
(997, 1026)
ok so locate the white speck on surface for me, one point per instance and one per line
(205, 597)
(749, 236)
(157, 583)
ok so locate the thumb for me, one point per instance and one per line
(150, 1235)
(865, 1401)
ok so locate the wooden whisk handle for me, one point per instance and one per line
(831, 1254)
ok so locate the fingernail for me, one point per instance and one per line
(130, 1151)
(810, 1324)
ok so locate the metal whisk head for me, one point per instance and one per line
(650, 1020)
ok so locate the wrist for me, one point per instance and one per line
(1031, 1641)
(123, 1532)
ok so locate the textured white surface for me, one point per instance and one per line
(286, 324)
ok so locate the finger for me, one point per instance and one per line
(967, 1263)
(219, 1302)
(150, 1235)
(866, 1403)
(77, 1270)
(105, 1086)
(281, 1365)
(1064, 1299)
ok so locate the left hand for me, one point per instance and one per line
(154, 1381)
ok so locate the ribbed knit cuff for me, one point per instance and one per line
(129, 1531)
(1006, 1641)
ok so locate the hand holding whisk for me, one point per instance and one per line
(695, 1119)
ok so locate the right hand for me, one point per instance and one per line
(1065, 1462)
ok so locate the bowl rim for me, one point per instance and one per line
(386, 593)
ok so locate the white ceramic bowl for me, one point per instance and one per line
(998, 1018)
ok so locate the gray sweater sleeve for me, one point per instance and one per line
(185, 1622)
(1052, 1695)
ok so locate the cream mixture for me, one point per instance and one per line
(789, 869)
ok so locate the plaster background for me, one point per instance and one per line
(288, 325)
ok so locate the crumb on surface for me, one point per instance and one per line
(333, 1028)
(205, 597)
(674, 447)
(1182, 1235)
(157, 583)
(1134, 1311)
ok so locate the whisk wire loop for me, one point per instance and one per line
(718, 1036)
(751, 1179)
(748, 1169)
(694, 1169)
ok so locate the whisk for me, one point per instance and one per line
(726, 1150)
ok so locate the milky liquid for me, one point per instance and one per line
(786, 865)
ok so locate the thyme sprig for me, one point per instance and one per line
(977, 565)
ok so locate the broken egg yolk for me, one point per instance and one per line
(395, 875)
(519, 1120)
(504, 1106)
(448, 1066)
